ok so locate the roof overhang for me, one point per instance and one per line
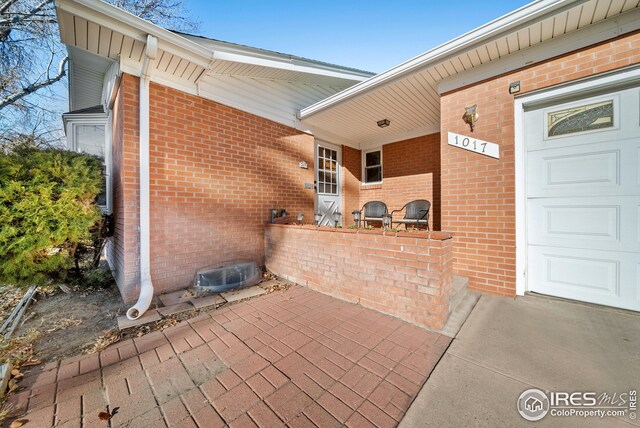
(107, 31)
(409, 94)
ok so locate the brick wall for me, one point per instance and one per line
(351, 176)
(406, 274)
(478, 193)
(123, 248)
(215, 174)
(410, 169)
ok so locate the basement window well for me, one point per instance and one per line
(228, 277)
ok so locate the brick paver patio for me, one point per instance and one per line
(296, 358)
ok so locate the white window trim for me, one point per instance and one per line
(364, 167)
(71, 122)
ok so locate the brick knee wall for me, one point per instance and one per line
(407, 275)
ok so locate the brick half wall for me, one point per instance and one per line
(406, 274)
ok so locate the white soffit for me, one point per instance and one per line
(106, 31)
(268, 84)
(409, 94)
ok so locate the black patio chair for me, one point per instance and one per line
(415, 213)
(372, 211)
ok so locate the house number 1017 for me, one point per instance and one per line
(474, 145)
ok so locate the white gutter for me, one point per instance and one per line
(482, 34)
(146, 286)
(290, 64)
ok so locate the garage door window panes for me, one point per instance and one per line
(588, 117)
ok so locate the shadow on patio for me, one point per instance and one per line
(296, 357)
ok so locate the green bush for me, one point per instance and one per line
(47, 209)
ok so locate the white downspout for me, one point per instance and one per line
(146, 286)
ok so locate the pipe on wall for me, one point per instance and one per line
(146, 285)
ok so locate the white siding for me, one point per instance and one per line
(86, 87)
(275, 100)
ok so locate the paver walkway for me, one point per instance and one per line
(297, 357)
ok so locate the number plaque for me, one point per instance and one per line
(474, 145)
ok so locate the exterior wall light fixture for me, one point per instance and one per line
(470, 116)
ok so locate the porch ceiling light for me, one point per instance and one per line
(383, 123)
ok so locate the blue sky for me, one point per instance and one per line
(372, 35)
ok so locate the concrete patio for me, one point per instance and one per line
(297, 357)
(507, 346)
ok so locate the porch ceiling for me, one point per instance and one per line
(409, 94)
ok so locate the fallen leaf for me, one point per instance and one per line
(106, 416)
(15, 372)
(31, 362)
(18, 423)
(13, 385)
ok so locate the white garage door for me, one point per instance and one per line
(583, 199)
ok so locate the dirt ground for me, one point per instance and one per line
(71, 323)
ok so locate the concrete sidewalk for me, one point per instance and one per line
(507, 346)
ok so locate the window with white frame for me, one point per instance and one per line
(90, 133)
(372, 166)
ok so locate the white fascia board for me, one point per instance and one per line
(289, 65)
(492, 30)
(578, 39)
(247, 54)
(137, 28)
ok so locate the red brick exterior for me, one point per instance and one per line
(215, 174)
(478, 193)
(216, 171)
(407, 275)
(351, 176)
(410, 170)
(123, 248)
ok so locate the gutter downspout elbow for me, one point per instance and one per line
(146, 286)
